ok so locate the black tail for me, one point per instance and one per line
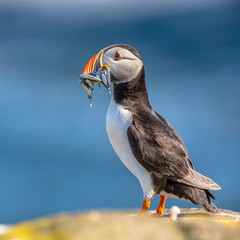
(195, 195)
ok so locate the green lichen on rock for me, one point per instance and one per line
(191, 224)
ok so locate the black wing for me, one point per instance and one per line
(160, 150)
(157, 146)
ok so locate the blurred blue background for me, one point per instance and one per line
(55, 154)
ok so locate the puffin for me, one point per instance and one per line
(143, 140)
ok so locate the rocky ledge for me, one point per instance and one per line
(191, 224)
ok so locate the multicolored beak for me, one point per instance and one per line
(92, 66)
(94, 72)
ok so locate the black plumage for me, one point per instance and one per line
(159, 149)
(157, 156)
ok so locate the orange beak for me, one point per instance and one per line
(92, 64)
(94, 72)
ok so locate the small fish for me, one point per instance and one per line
(102, 75)
(88, 87)
(104, 80)
(91, 77)
(106, 74)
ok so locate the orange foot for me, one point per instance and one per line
(145, 207)
(161, 205)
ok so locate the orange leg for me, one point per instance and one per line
(145, 207)
(161, 205)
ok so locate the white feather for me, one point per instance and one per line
(117, 121)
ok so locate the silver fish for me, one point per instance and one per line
(88, 87)
(102, 75)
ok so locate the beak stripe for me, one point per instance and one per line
(90, 65)
(101, 58)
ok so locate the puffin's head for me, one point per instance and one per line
(123, 61)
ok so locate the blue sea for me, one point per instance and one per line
(55, 155)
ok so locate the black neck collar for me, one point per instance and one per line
(132, 92)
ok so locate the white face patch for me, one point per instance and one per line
(124, 69)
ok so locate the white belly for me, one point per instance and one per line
(117, 121)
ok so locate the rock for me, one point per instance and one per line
(191, 224)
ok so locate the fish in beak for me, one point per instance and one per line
(95, 72)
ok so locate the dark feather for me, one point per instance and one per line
(154, 142)
(157, 146)
(197, 196)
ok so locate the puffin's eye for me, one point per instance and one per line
(117, 55)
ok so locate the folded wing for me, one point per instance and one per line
(160, 150)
